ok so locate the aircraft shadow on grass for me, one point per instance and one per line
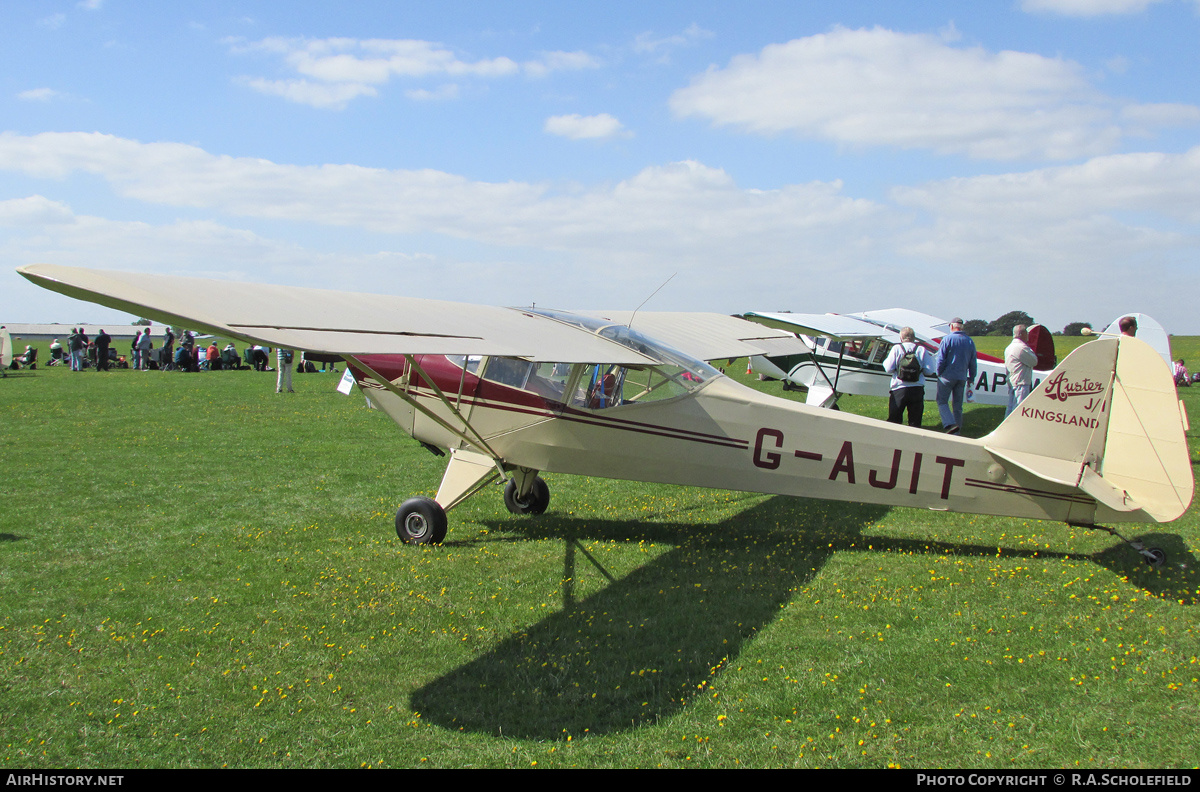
(649, 642)
(978, 421)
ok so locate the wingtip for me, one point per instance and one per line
(29, 270)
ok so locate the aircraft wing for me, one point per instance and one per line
(339, 323)
(706, 336)
(835, 326)
(929, 328)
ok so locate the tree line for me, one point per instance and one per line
(1005, 324)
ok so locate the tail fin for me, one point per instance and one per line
(1108, 421)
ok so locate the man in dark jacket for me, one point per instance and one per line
(76, 344)
(102, 342)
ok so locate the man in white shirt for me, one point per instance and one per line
(908, 362)
(1019, 359)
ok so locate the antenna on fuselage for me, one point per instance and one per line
(656, 291)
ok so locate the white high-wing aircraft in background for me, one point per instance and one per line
(845, 353)
(513, 392)
(1148, 330)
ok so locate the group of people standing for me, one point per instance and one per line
(141, 349)
(77, 349)
(78, 344)
(80, 349)
(955, 367)
(910, 363)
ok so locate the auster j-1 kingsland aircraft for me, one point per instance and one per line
(845, 354)
(515, 392)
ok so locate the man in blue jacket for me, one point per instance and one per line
(956, 370)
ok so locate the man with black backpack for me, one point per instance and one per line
(908, 362)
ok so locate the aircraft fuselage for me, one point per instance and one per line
(721, 435)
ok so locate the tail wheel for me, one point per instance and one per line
(534, 502)
(421, 521)
(1155, 557)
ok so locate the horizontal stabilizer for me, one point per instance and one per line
(1060, 471)
(1071, 474)
(1113, 497)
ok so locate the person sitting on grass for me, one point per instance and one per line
(213, 356)
(28, 358)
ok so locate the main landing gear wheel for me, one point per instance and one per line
(534, 502)
(421, 521)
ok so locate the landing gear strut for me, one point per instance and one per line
(533, 502)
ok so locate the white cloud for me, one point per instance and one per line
(91, 5)
(662, 46)
(53, 22)
(331, 72)
(882, 88)
(319, 95)
(577, 127)
(1151, 184)
(441, 93)
(378, 60)
(37, 95)
(1080, 242)
(1087, 8)
(560, 61)
(1096, 238)
(35, 210)
(684, 216)
(35, 229)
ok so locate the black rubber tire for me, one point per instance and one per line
(1159, 558)
(421, 521)
(534, 503)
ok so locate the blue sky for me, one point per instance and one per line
(966, 159)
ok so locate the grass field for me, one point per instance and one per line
(197, 572)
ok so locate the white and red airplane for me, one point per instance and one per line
(512, 393)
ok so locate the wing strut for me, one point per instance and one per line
(831, 400)
(473, 439)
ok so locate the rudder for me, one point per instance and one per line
(1109, 422)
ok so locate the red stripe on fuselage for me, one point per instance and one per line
(492, 395)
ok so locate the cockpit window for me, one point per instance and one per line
(508, 371)
(469, 362)
(611, 385)
(550, 380)
(598, 386)
(632, 339)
